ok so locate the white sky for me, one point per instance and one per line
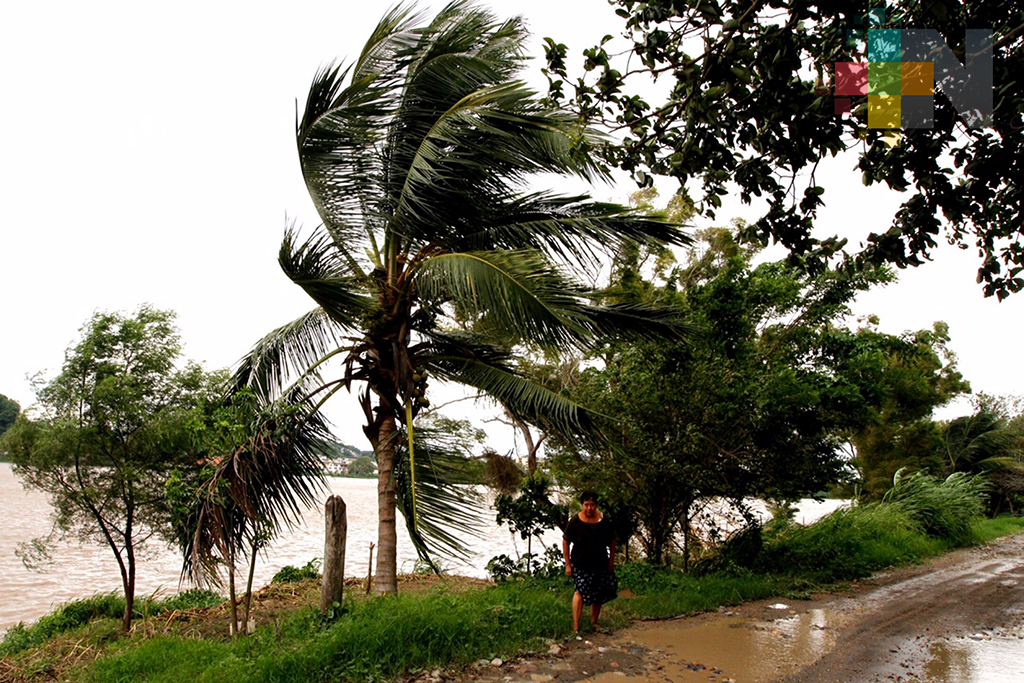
(147, 155)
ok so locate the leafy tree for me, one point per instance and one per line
(748, 405)
(111, 427)
(750, 104)
(531, 511)
(9, 411)
(899, 380)
(416, 157)
(361, 467)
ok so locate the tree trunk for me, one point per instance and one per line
(129, 594)
(248, 583)
(129, 585)
(686, 540)
(386, 580)
(233, 629)
(335, 532)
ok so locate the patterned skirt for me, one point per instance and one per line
(595, 587)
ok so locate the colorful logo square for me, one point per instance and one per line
(884, 78)
(917, 111)
(917, 78)
(884, 45)
(883, 111)
(851, 79)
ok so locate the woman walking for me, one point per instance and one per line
(588, 547)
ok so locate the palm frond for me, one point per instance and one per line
(571, 229)
(261, 486)
(287, 353)
(637, 321)
(390, 42)
(337, 139)
(276, 473)
(516, 291)
(314, 265)
(521, 293)
(477, 155)
(448, 508)
(463, 359)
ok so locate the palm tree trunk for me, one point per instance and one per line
(386, 580)
(233, 630)
(248, 586)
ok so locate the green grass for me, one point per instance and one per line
(991, 529)
(77, 613)
(434, 629)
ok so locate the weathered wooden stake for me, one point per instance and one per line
(336, 531)
(369, 572)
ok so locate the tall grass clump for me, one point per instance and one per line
(948, 509)
(849, 543)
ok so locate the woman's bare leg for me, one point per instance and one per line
(577, 611)
(595, 612)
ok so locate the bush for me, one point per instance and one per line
(550, 565)
(290, 574)
(947, 509)
(849, 543)
(190, 599)
(738, 554)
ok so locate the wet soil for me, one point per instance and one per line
(956, 619)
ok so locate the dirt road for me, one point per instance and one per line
(956, 619)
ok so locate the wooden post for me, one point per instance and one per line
(336, 530)
(369, 572)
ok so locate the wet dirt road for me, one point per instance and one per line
(957, 619)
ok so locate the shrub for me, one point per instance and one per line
(191, 599)
(947, 509)
(550, 565)
(290, 574)
(849, 543)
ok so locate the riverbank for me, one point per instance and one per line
(446, 625)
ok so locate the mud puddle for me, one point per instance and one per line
(747, 650)
(733, 648)
(980, 658)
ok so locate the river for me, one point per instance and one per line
(82, 570)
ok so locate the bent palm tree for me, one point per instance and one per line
(416, 157)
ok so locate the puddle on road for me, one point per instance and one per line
(736, 649)
(749, 651)
(980, 659)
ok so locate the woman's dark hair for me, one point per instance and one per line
(588, 495)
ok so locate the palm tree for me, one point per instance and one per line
(260, 469)
(417, 157)
(985, 442)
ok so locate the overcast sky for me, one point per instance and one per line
(148, 155)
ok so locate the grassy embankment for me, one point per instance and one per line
(448, 622)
